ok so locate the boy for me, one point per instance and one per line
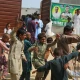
(27, 66)
(57, 65)
(39, 49)
(3, 57)
(69, 23)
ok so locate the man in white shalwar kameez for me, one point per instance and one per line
(48, 29)
(39, 26)
(76, 20)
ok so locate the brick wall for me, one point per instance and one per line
(9, 10)
(45, 10)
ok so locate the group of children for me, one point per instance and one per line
(62, 56)
(19, 54)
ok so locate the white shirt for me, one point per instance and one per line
(67, 14)
(7, 31)
(56, 15)
(48, 29)
(76, 19)
(72, 73)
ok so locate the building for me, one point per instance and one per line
(25, 11)
(70, 1)
(45, 10)
(9, 11)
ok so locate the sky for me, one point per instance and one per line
(33, 3)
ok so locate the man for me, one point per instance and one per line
(29, 18)
(65, 41)
(56, 14)
(31, 29)
(76, 20)
(66, 13)
(48, 28)
(39, 25)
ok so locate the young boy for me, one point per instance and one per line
(39, 49)
(27, 66)
(47, 54)
(69, 23)
(57, 65)
(3, 59)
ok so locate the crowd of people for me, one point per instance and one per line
(27, 38)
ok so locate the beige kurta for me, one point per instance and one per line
(66, 41)
(16, 54)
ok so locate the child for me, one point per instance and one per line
(69, 23)
(3, 60)
(27, 66)
(57, 65)
(39, 49)
(47, 54)
(49, 50)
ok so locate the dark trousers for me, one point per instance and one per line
(25, 75)
(45, 74)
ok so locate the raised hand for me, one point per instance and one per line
(18, 25)
(57, 36)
